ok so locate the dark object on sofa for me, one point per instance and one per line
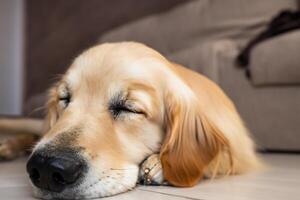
(285, 21)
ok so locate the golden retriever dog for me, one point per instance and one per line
(122, 113)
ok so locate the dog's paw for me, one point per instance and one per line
(8, 150)
(151, 172)
(13, 147)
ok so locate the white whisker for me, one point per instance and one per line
(121, 169)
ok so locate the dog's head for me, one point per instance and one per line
(116, 105)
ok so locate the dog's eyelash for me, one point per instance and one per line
(65, 99)
(120, 104)
(119, 107)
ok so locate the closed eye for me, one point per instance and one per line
(65, 99)
(119, 109)
(119, 106)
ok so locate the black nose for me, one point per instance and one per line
(53, 173)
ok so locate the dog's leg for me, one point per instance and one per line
(151, 172)
(13, 147)
(20, 134)
(34, 126)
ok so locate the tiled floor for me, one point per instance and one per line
(281, 181)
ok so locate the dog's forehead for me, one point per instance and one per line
(113, 63)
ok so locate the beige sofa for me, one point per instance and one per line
(206, 36)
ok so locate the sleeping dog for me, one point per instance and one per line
(122, 113)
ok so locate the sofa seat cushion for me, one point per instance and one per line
(271, 112)
(276, 61)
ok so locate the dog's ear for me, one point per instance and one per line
(51, 106)
(192, 141)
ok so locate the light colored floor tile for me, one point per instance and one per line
(144, 195)
(14, 181)
(24, 193)
(280, 181)
(16, 193)
(13, 168)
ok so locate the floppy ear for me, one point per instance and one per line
(191, 143)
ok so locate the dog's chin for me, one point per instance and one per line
(93, 186)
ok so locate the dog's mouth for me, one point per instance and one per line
(69, 176)
(94, 185)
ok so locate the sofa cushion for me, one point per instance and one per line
(271, 113)
(276, 61)
(197, 21)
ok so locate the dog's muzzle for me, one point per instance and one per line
(54, 173)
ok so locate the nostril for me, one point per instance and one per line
(34, 175)
(58, 178)
(64, 170)
(35, 169)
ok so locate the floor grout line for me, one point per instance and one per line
(163, 193)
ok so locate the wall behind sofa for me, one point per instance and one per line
(58, 30)
(11, 56)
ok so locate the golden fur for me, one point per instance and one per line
(179, 113)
